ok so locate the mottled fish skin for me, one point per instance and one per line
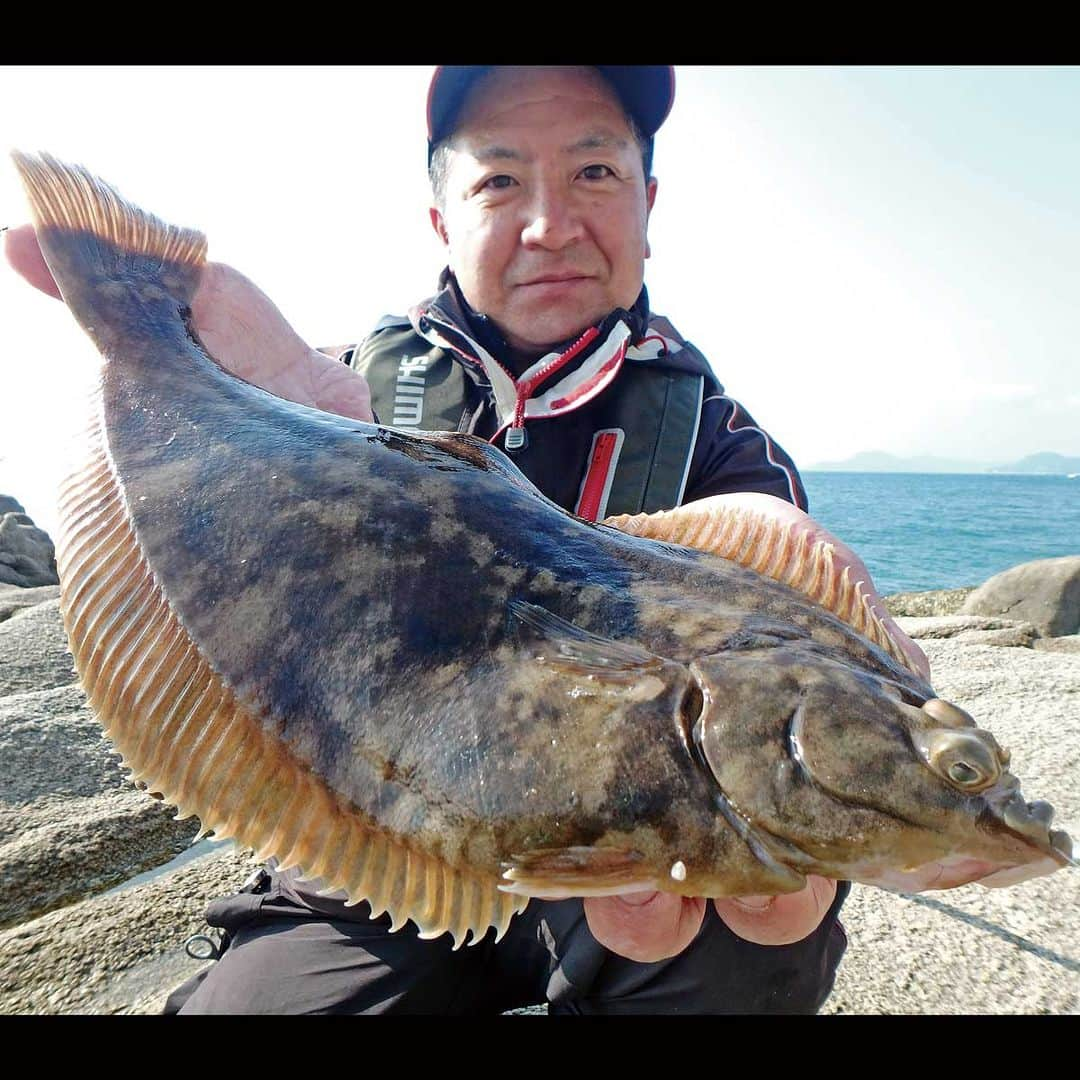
(356, 587)
(418, 703)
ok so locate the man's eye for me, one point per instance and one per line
(597, 172)
(499, 182)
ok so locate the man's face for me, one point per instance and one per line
(546, 204)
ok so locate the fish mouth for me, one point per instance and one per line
(1007, 810)
(1030, 822)
(951, 872)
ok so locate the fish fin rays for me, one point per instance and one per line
(570, 649)
(71, 200)
(556, 873)
(182, 730)
(784, 552)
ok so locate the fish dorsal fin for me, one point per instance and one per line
(783, 551)
(570, 648)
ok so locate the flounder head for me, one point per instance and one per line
(832, 770)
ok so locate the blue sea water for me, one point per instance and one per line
(920, 531)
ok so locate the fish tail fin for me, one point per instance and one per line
(90, 234)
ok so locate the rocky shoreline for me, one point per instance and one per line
(84, 929)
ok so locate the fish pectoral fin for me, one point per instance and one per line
(571, 649)
(557, 873)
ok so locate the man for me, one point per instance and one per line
(541, 341)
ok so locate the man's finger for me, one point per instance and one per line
(24, 256)
(917, 659)
(645, 926)
(779, 920)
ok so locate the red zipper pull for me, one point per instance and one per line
(516, 437)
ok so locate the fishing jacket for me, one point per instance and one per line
(627, 418)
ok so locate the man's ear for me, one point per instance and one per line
(650, 199)
(437, 223)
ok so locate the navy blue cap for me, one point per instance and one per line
(646, 92)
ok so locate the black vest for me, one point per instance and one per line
(626, 451)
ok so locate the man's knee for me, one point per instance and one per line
(290, 951)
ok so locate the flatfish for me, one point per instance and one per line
(386, 658)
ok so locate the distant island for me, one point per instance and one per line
(877, 461)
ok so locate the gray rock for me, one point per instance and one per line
(27, 557)
(117, 953)
(71, 823)
(950, 626)
(51, 746)
(14, 598)
(33, 650)
(1069, 643)
(1045, 592)
(1022, 635)
(920, 604)
(59, 850)
(8, 505)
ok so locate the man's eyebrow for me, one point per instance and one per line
(597, 140)
(496, 153)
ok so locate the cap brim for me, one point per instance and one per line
(647, 92)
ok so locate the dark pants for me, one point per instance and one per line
(291, 951)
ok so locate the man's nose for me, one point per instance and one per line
(553, 221)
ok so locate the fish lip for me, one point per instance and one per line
(1008, 810)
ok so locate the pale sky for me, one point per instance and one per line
(872, 258)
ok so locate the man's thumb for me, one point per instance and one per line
(24, 257)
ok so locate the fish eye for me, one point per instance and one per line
(967, 757)
(962, 773)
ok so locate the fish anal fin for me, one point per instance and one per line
(184, 732)
(556, 873)
(786, 551)
(569, 648)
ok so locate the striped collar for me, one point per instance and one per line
(556, 383)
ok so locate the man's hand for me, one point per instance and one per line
(245, 333)
(241, 329)
(650, 926)
(24, 256)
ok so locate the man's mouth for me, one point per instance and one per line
(556, 279)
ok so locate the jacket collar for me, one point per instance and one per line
(563, 379)
(450, 306)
